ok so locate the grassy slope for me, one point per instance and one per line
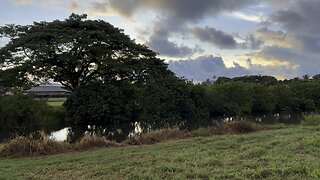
(292, 153)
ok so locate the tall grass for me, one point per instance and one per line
(158, 136)
(311, 120)
(234, 127)
(29, 146)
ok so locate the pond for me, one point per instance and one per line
(59, 131)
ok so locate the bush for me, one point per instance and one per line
(311, 120)
(201, 132)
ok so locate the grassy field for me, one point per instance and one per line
(55, 102)
(290, 153)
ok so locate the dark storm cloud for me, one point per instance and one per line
(211, 35)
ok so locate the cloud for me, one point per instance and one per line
(247, 17)
(276, 38)
(166, 48)
(296, 63)
(22, 2)
(75, 6)
(297, 44)
(172, 17)
(184, 9)
(223, 40)
(159, 41)
(211, 35)
(205, 67)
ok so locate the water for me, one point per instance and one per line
(60, 132)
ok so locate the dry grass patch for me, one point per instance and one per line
(27, 146)
(94, 141)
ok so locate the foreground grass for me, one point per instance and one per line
(291, 153)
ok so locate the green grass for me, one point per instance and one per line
(289, 153)
(55, 102)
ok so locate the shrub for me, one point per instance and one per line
(201, 132)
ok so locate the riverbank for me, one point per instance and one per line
(290, 153)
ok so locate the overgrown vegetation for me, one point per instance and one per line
(311, 120)
(22, 115)
(41, 145)
(157, 136)
(291, 153)
(22, 146)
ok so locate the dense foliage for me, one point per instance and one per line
(21, 115)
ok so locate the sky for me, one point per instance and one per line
(202, 39)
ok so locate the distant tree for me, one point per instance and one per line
(264, 101)
(286, 101)
(269, 80)
(75, 51)
(231, 98)
(222, 80)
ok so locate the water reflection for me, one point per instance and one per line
(61, 135)
(121, 131)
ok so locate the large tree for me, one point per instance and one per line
(76, 51)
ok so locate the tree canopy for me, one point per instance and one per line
(74, 52)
